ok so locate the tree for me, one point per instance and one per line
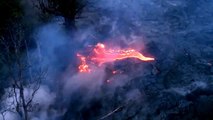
(23, 78)
(69, 9)
(10, 10)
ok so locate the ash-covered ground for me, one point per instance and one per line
(177, 85)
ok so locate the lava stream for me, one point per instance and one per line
(102, 55)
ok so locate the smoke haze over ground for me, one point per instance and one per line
(166, 30)
(177, 85)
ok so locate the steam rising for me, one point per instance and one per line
(143, 24)
(127, 23)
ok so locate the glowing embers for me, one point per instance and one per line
(102, 55)
(83, 67)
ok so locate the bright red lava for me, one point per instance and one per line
(83, 67)
(102, 55)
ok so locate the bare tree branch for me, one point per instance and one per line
(21, 74)
(112, 112)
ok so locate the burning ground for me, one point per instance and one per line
(126, 60)
(103, 55)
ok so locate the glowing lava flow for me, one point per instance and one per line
(102, 55)
(83, 67)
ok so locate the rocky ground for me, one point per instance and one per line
(178, 85)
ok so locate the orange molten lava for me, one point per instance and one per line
(83, 67)
(102, 55)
